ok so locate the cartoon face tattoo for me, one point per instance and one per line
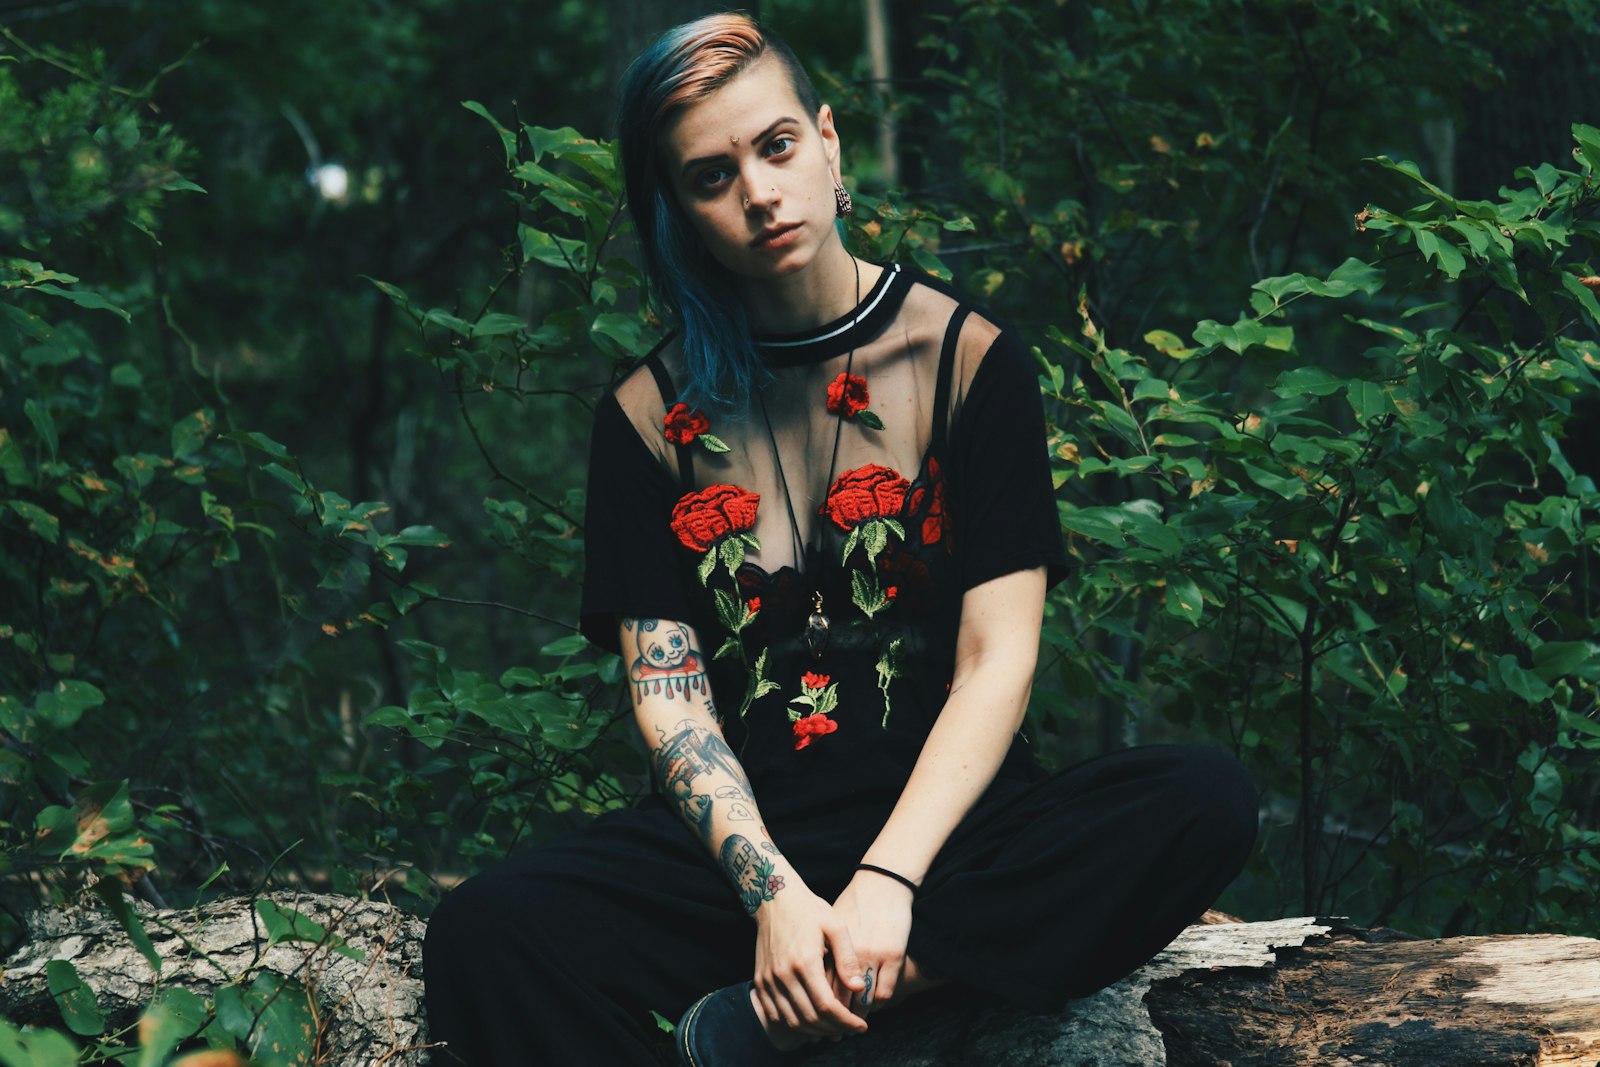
(667, 665)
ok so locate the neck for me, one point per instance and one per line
(825, 290)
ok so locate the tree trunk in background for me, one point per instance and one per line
(877, 14)
(925, 158)
(1529, 119)
(635, 23)
(1526, 122)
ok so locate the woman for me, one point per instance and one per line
(820, 532)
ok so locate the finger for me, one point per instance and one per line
(888, 978)
(845, 961)
(769, 1007)
(798, 990)
(862, 1002)
(829, 1009)
(783, 1013)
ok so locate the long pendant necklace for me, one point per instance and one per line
(818, 625)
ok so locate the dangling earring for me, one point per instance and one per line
(842, 205)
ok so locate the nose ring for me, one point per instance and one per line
(747, 201)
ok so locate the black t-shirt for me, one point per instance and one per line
(909, 431)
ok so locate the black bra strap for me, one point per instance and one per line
(947, 362)
(669, 397)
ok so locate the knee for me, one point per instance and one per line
(1216, 791)
(462, 926)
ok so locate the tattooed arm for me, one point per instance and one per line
(703, 781)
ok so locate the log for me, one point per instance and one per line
(1284, 992)
(367, 1010)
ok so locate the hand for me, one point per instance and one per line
(877, 915)
(794, 987)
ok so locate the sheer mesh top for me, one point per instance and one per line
(819, 544)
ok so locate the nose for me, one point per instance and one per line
(759, 196)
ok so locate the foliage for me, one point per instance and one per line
(1318, 483)
(1387, 569)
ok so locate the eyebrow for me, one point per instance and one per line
(720, 156)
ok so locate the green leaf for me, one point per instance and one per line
(1362, 277)
(43, 423)
(1412, 171)
(1164, 341)
(287, 924)
(1441, 251)
(109, 890)
(1520, 682)
(189, 433)
(34, 1047)
(623, 329)
(1554, 659)
(665, 1025)
(521, 677)
(258, 441)
(1243, 334)
(419, 536)
(1369, 400)
(565, 724)
(284, 1028)
(496, 324)
(175, 1016)
(12, 465)
(508, 138)
(565, 646)
(40, 522)
(1096, 524)
(1309, 379)
(76, 1000)
(563, 253)
(1586, 299)
(712, 443)
(563, 141)
(84, 298)
(1184, 599)
(64, 704)
(930, 263)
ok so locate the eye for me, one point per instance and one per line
(780, 144)
(658, 653)
(676, 641)
(712, 177)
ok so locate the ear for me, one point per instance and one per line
(830, 140)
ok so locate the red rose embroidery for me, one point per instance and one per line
(863, 494)
(813, 680)
(847, 395)
(752, 606)
(891, 592)
(703, 518)
(931, 496)
(811, 726)
(682, 426)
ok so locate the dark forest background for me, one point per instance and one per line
(298, 354)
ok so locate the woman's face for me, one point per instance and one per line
(754, 172)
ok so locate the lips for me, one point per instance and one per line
(775, 236)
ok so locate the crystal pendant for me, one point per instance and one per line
(817, 628)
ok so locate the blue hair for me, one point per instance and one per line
(686, 285)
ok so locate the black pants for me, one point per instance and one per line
(1048, 890)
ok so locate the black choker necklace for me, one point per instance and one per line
(818, 625)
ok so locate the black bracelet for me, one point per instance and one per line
(902, 879)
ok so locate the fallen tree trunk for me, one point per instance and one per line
(1285, 992)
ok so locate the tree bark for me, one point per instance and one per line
(1283, 993)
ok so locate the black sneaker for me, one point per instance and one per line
(721, 1029)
